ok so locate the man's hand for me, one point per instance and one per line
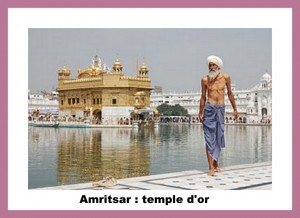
(236, 114)
(200, 116)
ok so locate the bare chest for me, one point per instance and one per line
(217, 85)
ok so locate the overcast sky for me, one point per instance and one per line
(176, 58)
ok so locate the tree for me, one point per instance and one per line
(168, 110)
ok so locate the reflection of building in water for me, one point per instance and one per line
(90, 154)
(39, 137)
(252, 143)
(42, 149)
(67, 155)
(254, 105)
(103, 94)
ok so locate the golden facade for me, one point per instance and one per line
(97, 87)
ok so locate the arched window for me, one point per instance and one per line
(264, 111)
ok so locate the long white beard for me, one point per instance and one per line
(213, 74)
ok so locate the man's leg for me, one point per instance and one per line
(216, 166)
(210, 163)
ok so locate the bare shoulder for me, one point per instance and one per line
(225, 75)
(204, 79)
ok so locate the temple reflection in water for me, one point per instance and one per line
(59, 156)
(90, 154)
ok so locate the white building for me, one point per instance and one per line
(45, 103)
(254, 105)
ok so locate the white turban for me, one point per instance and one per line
(216, 60)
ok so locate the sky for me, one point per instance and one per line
(176, 58)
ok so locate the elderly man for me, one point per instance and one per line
(212, 111)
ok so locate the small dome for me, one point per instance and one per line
(117, 62)
(117, 65)
(266, 77)
(144, 67)
(64, 72)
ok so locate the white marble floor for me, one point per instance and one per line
(249, 176)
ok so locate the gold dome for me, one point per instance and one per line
(117, 62)
(144, 68)
(64, 72)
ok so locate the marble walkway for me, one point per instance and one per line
(249, 176)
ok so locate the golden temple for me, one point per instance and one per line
(101, 93)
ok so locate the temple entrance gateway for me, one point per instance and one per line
(97, 116)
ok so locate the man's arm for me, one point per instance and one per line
(203, 99)
(231, 96)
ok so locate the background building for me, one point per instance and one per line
(254, 105)
(108, 95)
(45, 102)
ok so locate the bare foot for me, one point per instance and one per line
(218, 169)
(211, 172)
